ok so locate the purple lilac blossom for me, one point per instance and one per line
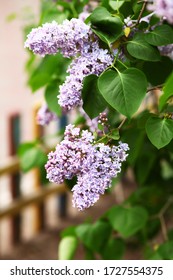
(94, 165)
(43, 40)
(69, 156)
(45, 116)
(73, 37)
(93, 61)
(69, 38)
(163, 8)
(106, 164)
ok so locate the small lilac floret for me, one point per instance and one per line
(45, 116)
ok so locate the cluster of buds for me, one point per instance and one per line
(103, 120)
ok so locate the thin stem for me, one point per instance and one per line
(121, 124)
(164, 229)
(161, 217)
(101, 139)
(166, 206)
(116, 57)
(140, 14)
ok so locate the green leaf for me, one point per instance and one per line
(113, 249)
(67, 248)
(106, 26)
(166, 250)
(159, 131)
(152, 198)
(38, 81)
(161, 35)
(124, 91)
(33, 157)
(50, 12)
(43, 73)
(93, 101)
(94, 236)
(71, 230)
(144, 165)
(167, 92)
(114, 134)
(24, 147)
(50, 94)
(139, 48)
(135, 139)
(48, 68)
(115, 5)
(127, 221)
(154, 70)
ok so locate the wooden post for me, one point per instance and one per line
(14, 141)
(38, 132)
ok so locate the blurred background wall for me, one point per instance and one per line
(16, 104)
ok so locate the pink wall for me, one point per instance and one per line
(15, 96)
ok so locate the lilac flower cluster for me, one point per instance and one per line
(93, 61)
(73, 38)
(45, 116)
(69, 156)
(163, 8)
(70, 37)
(94, 165)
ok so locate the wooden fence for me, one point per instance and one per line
(37, 199)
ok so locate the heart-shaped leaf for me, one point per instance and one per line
(127, 221)
(159, 131)
(94, 236)
(124, 91)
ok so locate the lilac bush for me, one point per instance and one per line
(110, 64)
